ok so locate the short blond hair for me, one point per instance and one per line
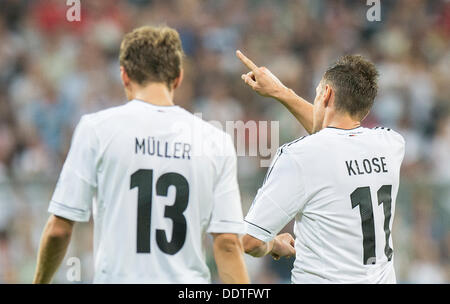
(152, 54)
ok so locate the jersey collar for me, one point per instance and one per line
(138, 101)
(344, 129)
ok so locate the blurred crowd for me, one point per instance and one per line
(53, 71)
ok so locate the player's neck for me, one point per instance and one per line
(342, 122)
(154, 93)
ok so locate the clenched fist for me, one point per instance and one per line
(283, 246)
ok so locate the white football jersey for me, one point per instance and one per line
(341, 187)
(157, 179)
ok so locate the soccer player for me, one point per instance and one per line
(340, 183)
(156, 178)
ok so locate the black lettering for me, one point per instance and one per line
(165, 152)
(383, 164)
(186, 150)
(176, 149)
(140, 146)
(350, 168)
(158, 154)
(366, 163)
(357, 168)
(376, 163)
(151, 148)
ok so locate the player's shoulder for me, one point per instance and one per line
(389, 133)
(98, 117)
(305, 143)
(297, 145)
(210, 138)
(210, 131)
(206, 127)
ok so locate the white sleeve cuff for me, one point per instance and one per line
(258, 232)
(73, 214)
(226, 227)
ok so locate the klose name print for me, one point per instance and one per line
(366, 166)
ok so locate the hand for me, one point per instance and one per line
(260, 79)
(283, 246)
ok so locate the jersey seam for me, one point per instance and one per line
(213, 160)
(306, 195)
(303, 179)
(97, 138)
(296, 141)
(274, 163)
(80, 176)
(275, 203)
(302, 176)
(225, 192)
(228, 221)
(103, 150)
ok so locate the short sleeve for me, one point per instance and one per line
(227, 214)
(77, 182)
(280, 198)
(402, 143)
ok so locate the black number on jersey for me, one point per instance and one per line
(361, 197)
(143, 180)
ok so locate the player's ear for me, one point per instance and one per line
(124, 76)
(177, 82)
(328, 101)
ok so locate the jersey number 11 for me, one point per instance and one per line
(361, 197)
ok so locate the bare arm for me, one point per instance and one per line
(54, 242)
(256, 248)
(299, 107)
(281, 246)
(262, 81)
(229, 257)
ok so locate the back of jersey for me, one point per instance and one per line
(161, 178)
(341, 186)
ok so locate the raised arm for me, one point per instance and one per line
(263, 82)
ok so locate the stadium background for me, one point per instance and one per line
(53, 71)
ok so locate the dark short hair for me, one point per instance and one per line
(355, 82)
(152, 54)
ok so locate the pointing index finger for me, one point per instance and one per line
(248, 63)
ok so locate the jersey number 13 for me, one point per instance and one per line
(143, 180)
